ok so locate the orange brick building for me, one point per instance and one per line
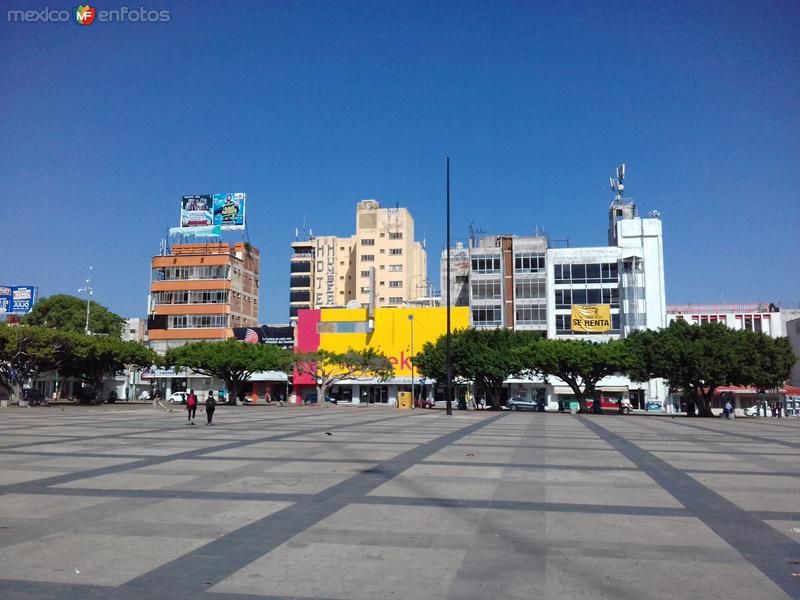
(201, 292)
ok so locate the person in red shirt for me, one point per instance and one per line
(191, 406)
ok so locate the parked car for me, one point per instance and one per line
(312, 399)
(423, 403)
(522, 403)
(178, 397)
(610, 405)
(755, 412)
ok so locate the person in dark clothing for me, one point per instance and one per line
(191, 406)
(211, 406)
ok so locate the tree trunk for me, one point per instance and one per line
(495, 395)
(581, 402)
(704, 406)
(597, 407)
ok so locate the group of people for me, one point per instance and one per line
(191, 406)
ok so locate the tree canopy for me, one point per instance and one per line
(698, 359)
(329, 367)
(66, 312)
(486, 357)
(580, 364)
(231, 361)
(26, 352)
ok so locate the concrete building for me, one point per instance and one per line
(519, 282)
(330, 271)
(134, 330)
(201, 292)
(758, 317)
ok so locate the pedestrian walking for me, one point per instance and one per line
(211, 406)
(191, 406)
(728, 409)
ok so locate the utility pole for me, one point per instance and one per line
(449, 392)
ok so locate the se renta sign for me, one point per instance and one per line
(17, 300)
(592, 318)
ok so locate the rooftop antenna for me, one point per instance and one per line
(617, 184)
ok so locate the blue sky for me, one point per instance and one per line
(309, 107)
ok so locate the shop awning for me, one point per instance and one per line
(269, 376)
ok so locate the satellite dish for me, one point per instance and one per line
(353, 304)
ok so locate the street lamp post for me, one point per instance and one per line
(411, 322)
(88, 289)
(449, 392)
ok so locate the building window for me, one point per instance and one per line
(197, 321)
(531, 315)
(367, 258)
(529, 262)
(395, 268)
(365, 273)
(487, 290)
(301, 281)
(300, 267)
(395, 235)
(191, 297)
(487, 316)
(365, 289)
(566, 298)
(395, 251)
(483, 265)
(367, 242)
(395, 284)
(205, 272)
(529, 288)
(586, 273)
(395, 299)
(300, 296)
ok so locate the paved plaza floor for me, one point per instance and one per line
(109, 503)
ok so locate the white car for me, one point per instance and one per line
(754, 412)
(178, 397)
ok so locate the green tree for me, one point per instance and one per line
(485, 357)
(63, 311)
(767, 362)
(327, 368)
(231, 361)
(580, 364)
(694, 359)
(27, 352)
(94, 357)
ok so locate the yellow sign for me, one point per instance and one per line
(593, 318)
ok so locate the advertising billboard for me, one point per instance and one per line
(17, 300)
(266, 334)
(591, 318)
(229, 210)
(196, 210)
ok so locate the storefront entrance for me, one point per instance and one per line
(374, 394)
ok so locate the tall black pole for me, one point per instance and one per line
(449, 393)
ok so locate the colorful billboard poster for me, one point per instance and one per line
(266, 334)
(196, 211)
(229, 210)
(591, 318)
(17, 300)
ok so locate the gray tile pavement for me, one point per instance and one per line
(124, 502)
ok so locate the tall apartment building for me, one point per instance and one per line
(330, 271)
(201, 292)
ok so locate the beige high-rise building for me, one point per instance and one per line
(329, 271)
